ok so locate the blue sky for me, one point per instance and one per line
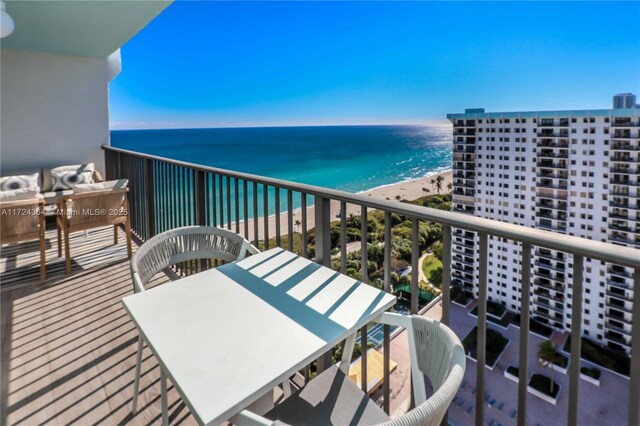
(221, 64)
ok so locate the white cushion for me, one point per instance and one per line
(69, 179)
(20, 194)
(47, 177)
(9, 183)
(98, 186)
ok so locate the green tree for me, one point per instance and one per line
(438, 183)
(449, 186)
(547, 356)
(437, 250)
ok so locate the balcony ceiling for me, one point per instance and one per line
(84, 28)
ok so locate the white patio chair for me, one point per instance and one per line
(333, 399)
(173, 247)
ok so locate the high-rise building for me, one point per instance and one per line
(570, 172)
(624, 100)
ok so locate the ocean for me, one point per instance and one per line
(350, 158)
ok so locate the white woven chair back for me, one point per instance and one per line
(440, 356)
(186, 244)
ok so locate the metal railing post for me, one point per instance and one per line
(524, 333)
(322, 216)
(149, 199)
(576, 327)
(634, 385)
(481, 349)
(322, 231)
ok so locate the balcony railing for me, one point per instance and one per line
(165, 194)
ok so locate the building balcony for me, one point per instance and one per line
(624, 214)
(464, 194)
(619, 283)
(555, 296)
(624, 170)
(463, 157)
(551, 204)
(556, 266)
(618, 314)
(540, 300)
(548, 153)
(468, 242)
(619, 271)
(553, 316)
(461, 183)
(552, 173)
(624, 122)
(464, 260)
(625, 145)
(69, 349)
(622, 203)
(617, 326)
(548, 214)
(624, 180)
(550, 274)
(553, 143)
(551, 122)
(549, 284)
(551, 255)
(551, 134)
(544, 163)
(467, 176)
(554, 227)
(618, 338)
(460, 249)
(625, 296)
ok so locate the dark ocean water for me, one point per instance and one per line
(351, 158)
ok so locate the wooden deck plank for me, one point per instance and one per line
(68, 346)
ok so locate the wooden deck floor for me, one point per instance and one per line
(68, 347)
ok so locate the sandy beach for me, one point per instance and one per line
(407, 190)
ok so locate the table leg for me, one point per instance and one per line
(349, 344)
(136, 383)
(163, 396)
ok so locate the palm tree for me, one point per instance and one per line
(433, 184)
(439, 180)
(297, 224)
(547, 356)
(449, 186)
(353, 221)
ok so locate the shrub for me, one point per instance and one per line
(591, 372)
(543, 384)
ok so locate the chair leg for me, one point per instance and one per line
(59, 240)
(164, 397)
(127, 231)
(136, 383)
(115, 234)
(43, 260)
(67, 252)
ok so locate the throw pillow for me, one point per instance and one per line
(69, 179)
(10, 183)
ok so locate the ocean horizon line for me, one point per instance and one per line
(283, 126)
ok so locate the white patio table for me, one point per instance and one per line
(227, 336)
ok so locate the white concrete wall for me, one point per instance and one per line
(54, 109)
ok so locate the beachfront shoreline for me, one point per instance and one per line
(405, 190)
